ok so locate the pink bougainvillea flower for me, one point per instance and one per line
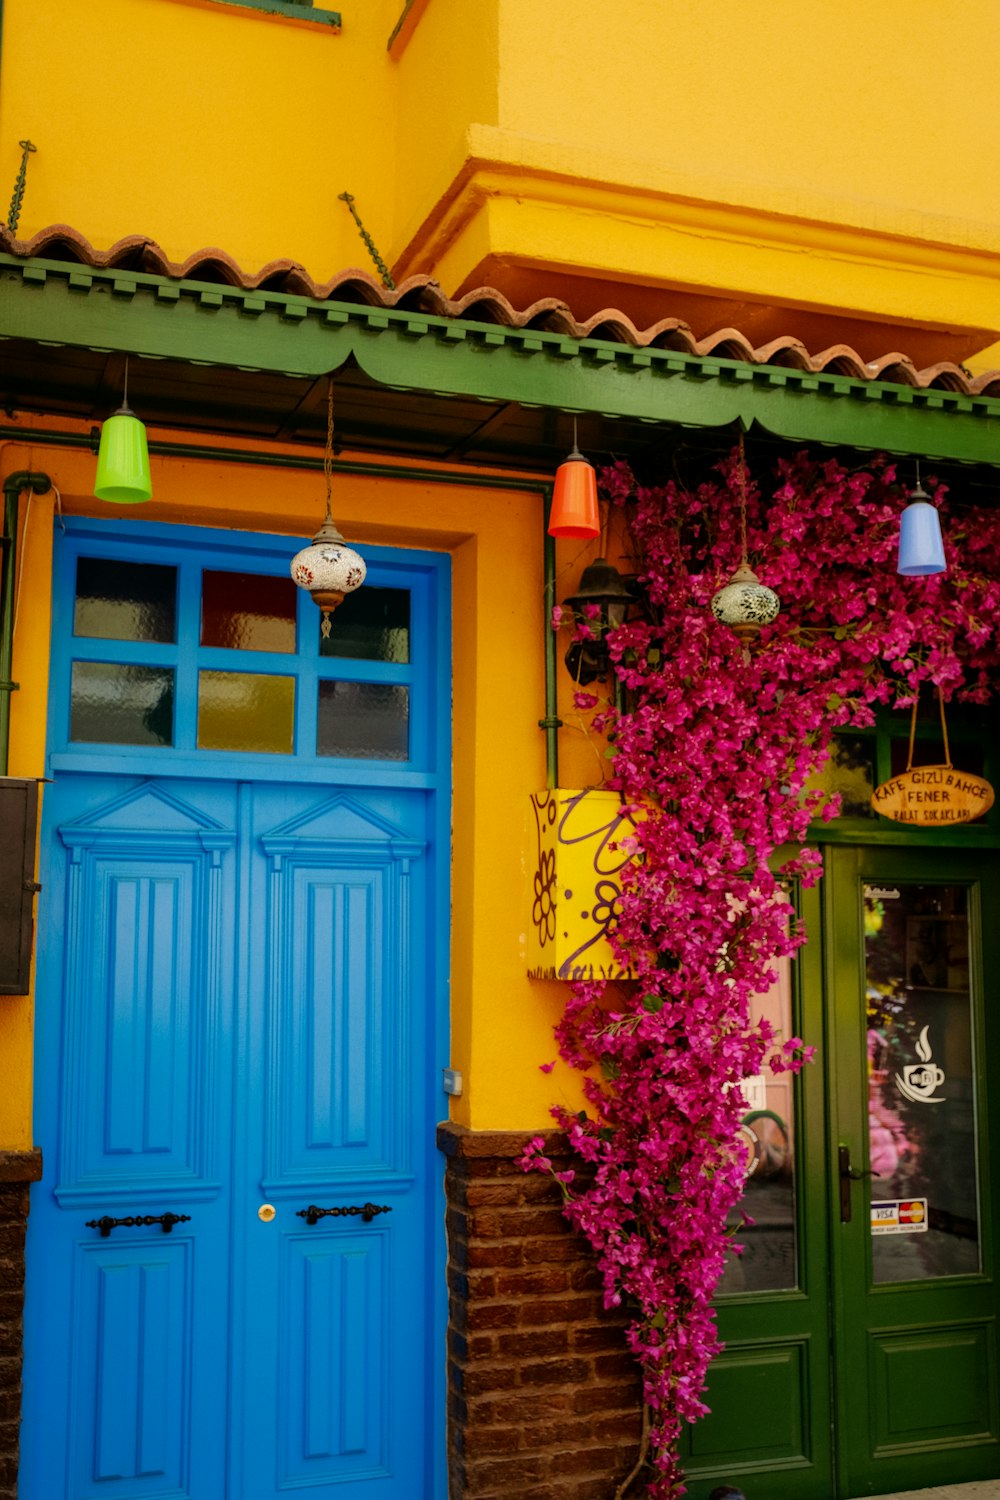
(722, 747)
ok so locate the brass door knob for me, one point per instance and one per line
(266, 1212)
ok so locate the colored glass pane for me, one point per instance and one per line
(369, 720)
(372, 624)
(246, 711)
(115, 704)
(921, 1083)
(125, 601)
(247, 611)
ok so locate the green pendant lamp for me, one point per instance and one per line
(123, 459)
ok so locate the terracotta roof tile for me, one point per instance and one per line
(486, 305)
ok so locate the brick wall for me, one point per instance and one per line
(18, 1169)
(543, 1397)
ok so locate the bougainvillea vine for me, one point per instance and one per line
(719, 744)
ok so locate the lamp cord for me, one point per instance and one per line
(328, 450)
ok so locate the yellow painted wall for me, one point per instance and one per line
(831, 157)
(201, 125)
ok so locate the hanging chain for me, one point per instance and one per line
(742, 501)
(380, 264)
(328, 450)
(17, 199)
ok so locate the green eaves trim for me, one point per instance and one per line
(295, 10)
(61, 303)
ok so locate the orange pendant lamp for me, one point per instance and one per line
(574, 498)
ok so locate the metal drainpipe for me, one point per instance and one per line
(39, 484)
(543, 487)
(552, 722)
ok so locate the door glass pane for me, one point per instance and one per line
(365, 719)
(246, 711)
(247, 611)
(768, 1262)
(125, 601)
(921, 1096)
(371, 625)
(113, 704)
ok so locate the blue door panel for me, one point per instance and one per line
(132, 1364)
(333, 1404)
(122, 1331)
(237, 1019)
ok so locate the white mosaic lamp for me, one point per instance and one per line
(745, 604)
(328, 568)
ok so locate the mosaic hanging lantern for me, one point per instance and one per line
(328, 568)
(744, 603)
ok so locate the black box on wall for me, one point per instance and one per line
(18, 824)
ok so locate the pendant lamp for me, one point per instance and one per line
(574, 498)
(744, 603)
(123, 457)
(328, 569)
(921, 550)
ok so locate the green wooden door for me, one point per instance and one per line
(860, 1322)
(914, 986)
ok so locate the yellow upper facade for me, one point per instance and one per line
(815, 169)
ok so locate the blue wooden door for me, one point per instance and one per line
(238, 1028)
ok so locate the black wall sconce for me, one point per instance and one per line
(603, 588)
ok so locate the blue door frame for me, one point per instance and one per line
(287, 863)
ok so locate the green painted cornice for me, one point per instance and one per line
(66, 304)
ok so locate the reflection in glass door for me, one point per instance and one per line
(764, 1223)
(921, 1083)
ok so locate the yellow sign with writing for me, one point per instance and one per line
(584, 842)
(933, 797)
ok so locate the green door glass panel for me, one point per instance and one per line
(769, 1391)
(247, 611)
(763, 1224)
(248, 711)
(850, 772)
(113, 703)
(120, 601)
(912, 955)
(921, 1083)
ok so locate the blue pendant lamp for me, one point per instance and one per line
(921, 550)
(123, 458)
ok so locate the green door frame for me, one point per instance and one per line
(916, 1385)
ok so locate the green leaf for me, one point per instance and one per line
(652, 1003)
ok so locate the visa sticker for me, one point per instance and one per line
(899, 1216)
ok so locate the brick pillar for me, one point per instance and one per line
(18, 1169)
(543, 1396)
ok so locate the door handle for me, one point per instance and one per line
(367, 1211)
(165, 1221)
(847, 1175)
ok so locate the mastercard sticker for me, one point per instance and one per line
(899, 1216)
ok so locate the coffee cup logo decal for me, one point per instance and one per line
(920, 1080)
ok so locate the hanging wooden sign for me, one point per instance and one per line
(933, 796)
